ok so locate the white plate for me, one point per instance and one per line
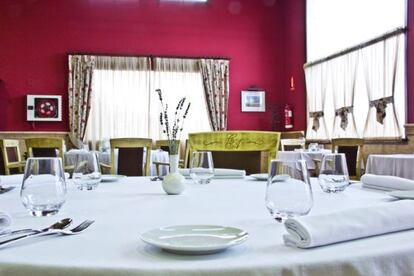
(260, 176)
(194, 239)
(111, 177)
(402, 194)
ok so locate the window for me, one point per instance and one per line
(125, 104)
(335, 25)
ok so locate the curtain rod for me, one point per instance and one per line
(148, 56)
(357, 47)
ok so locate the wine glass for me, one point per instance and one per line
(87, 172)
(43, 189)
(288, 192)
(333, 176)
(202, 168)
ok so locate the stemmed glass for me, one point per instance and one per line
(334, 175)
(87, 172)
(43, 189)
(288, 192)
(202, 168)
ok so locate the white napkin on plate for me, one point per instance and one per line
(312, 231)
(219, 173)
(5, 221)
(386, 182)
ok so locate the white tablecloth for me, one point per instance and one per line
(308, 156)
(122, 210)
(401, 165)
(104, 157)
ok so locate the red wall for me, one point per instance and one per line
(37, 35)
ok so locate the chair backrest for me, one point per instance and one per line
(292, 144)
(248, 150)
(164, 145)
(131, 156)
(45, 147)
(292, 134)
(352, 148)
(10, 154)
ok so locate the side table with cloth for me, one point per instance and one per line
(309, 156)
(401, 165)
(134, 205)
(105, 158)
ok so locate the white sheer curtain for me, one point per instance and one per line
(316, 84)
(380, 63)
(125, 104)
(178, 78)
(120, 99)
(344, 72)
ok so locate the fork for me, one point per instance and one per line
(76, 230)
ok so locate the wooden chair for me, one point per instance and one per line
(352, 147)
(292, 134)
(10, 156)
(47, 147)
(131, 156)
(292, 144)
(247, 150)
(164, 145)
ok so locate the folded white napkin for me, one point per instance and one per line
(5, 221)
(312, 231)
(219, 173)
(386, 182)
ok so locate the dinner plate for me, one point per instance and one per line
(194, 239)
(402, 194)
(260, 176)
(111, 177)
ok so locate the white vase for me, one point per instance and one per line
(173, 183)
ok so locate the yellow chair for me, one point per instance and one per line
(45, 147)
(352, 147)
(130, 156)
(248, 150)
(11, 158)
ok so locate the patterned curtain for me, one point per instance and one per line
(215, 75)
(79, 90)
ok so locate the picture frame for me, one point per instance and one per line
(253, 101)
(44, 107)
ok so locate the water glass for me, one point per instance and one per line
(288, 192)
(313, 147)
(87, 172)
(202, 168)
(334, 175)
(43, 189)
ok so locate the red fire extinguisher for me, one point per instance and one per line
(288, 117)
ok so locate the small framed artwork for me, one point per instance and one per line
(44, 108)
(253, 101)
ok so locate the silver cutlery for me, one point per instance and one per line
(76, 230)
(57, 225)
(155, 178)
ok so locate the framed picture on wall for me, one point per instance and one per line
(44, 108)
(253, 101)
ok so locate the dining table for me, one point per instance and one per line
(311, 157)
(401, 165)
(124, 209)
